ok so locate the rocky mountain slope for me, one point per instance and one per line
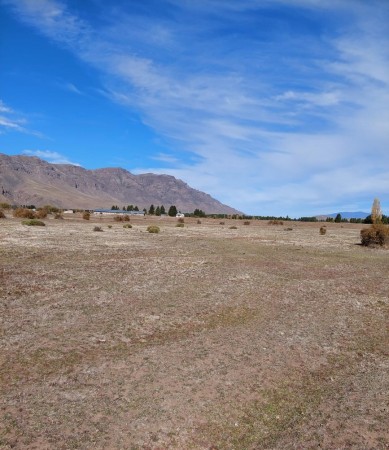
(30, 180)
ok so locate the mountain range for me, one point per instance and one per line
(28, 180)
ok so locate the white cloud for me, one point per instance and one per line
(50, 156)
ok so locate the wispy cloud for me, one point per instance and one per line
(50, 156)
(273, 122)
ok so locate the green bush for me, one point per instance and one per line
(33, 223)
(153, 229)
(233, 227)
(376, 235)
(127, 225)
(109, 226)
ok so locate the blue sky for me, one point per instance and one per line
(273, 107)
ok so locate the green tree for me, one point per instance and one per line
(151, 210)
(157, 211)
(136, 208)
(163, 210)
(172, 211)
(338, 218)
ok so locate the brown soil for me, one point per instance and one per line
(201, 337)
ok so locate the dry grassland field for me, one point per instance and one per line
(201, 337)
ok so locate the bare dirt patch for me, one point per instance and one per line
(200, 337)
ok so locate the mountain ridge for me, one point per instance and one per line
(31, 180)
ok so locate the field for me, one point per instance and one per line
(200, 337)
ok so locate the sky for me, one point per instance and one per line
(273, 107)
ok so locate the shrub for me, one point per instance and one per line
(2, 215)
(5, 205)
(180, 225)
(233, 227)
(153, 229)
(199, 222)
(41, 213)
(376, 235)
(323, 230)
(118, 218)
(33, 223)
(275, 222)
(126, 218)
(246, 222)
(58, 216)
(86, 215)
(127, 225)
(221, 223)
(96, 228)
(180, 220)
(24, 213)
(109, 226)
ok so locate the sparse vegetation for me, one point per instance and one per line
(323, 230)
(127, 225)
(86, 215)
(246, 222)
(198, 222)
(153, 229)
(233, 227)
(41, 213)
(110, 226)
(97, 228)
(2, 215)
(33, 223)
(222, 223)
(58, 216)
(180, 225)
(180, 220)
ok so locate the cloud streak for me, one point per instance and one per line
(270, 126)
(50, 156)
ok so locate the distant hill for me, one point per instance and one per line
(346, 215)
(30, 180)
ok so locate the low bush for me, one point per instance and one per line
(2, 215)
(96, 228)
(126, 218)
(86, 215)
(24, 213)
(127, 225)
(41, 213)
(246, 222)
(58, 216)
(221, 223)
(110, 226)
(33, 223)
(153, 229)
(180, 225)
(233, 227)
(118, 218)
(180, 220)
(376, 235)
(275, 222)
(288, 229)
(323, 230)
(199, 222)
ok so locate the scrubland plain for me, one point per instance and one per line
(197, 337)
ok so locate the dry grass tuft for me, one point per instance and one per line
(2, 215)
(323, 230)
(275, 222)
(153, 229)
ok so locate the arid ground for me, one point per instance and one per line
(201, 337)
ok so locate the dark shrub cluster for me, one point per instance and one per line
(376, 235)
(323, 230)
(24, 213)
(275, 222)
